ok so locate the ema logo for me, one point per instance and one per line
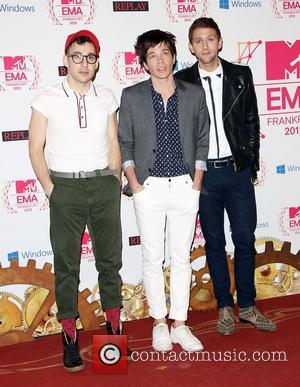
(289, 221)
(282, 60)
(24, 196)
(283, 63)
(283, 169)
(126, 68)
(285, 8)
(15, 135)
(198, 236)
(19, 72)
(185, 10)
(86, 247)
(130, 6)
(17, 8)
(71, 12)
(225, 4)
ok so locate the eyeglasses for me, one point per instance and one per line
(78, 58)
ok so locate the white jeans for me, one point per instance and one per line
(167, 208)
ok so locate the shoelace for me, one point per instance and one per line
(225, 313)
(187, 330)
(73, 353)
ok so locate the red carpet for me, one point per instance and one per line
(39, 363)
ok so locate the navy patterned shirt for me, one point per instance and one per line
(169, 158)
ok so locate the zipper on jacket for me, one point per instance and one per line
(234, 102)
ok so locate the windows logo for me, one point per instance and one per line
(224, 4)
(13, 255)
(280, 169)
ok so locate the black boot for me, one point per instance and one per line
(110, 331)
(72, 359)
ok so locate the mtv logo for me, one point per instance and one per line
(294, 212)
(14, 63)
(280, 169)
(86, 239)
(131, 58)
(26, 186)
(282, 60)
(224, 4)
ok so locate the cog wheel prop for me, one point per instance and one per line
(277, 271)
(202, 293)
(28, 275)
(10, 312)
(134, 302)
(21, 321)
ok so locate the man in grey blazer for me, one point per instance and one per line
(164, 132)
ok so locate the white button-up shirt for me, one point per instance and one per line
(217, 87)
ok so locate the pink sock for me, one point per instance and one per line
(69, 325)
(113, 316)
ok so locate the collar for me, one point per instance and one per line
(68, 91)
(156, 92)
(217, 72)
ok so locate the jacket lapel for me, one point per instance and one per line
(233, 87)
(181, 110)
(195, 76)
(146, 106)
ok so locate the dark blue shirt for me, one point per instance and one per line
(169, 158)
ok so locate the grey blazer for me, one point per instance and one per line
(137, 128)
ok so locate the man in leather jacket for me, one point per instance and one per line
(232, 165)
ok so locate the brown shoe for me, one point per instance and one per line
(252, 315)
(225, 324)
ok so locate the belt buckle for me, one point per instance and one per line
(216, 164)
(222, 164)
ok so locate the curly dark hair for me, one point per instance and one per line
(151, 39)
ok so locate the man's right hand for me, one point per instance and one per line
(137, 188)
(48, 190)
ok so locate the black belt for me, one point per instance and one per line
(83, 174)
(220, 163)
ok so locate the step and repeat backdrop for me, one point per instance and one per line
(263, 34)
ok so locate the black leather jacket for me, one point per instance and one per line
(240, 114)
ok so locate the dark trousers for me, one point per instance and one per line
(75, 203)
(223, 189)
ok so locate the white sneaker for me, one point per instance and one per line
(183, 336)
(161, 340)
